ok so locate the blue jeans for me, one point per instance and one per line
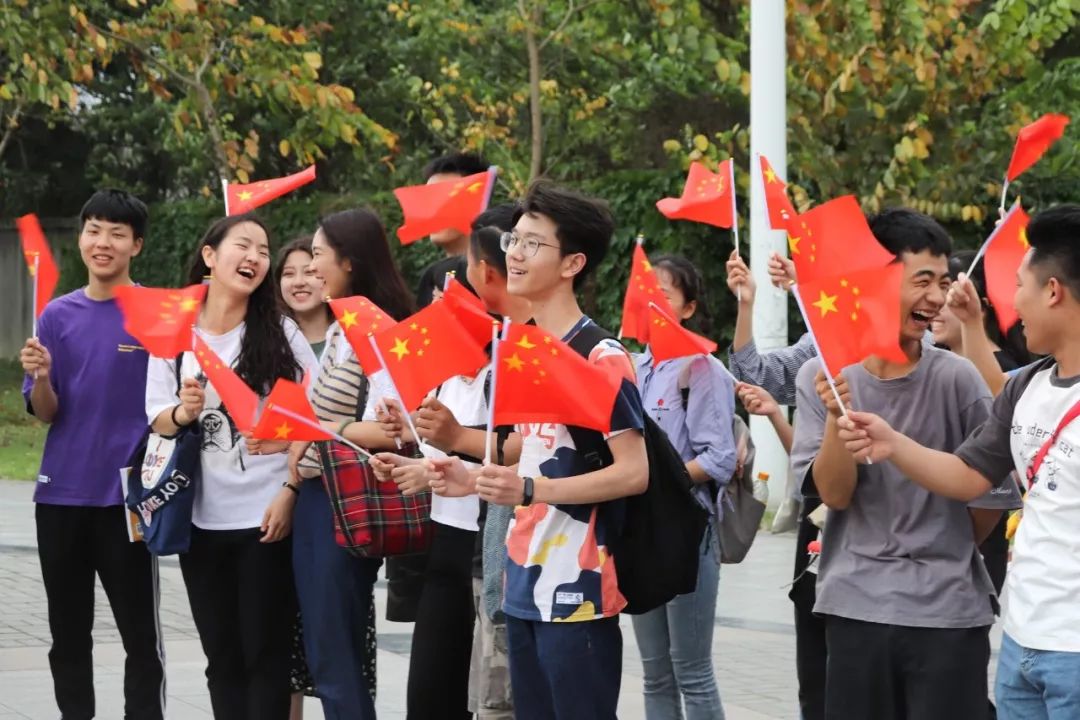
(676, 648)
(565, 670)
(1037, 684)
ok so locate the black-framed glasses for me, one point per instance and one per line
(529, 246)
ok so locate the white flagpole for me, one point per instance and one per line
(34, 297)
(1004, 190)
(225, 193)
(797, 292)
(494, 387)
(493, 172)
(394, 389)
(990, 239)
(305, 421)
(735, 224)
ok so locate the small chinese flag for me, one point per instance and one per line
(288, 415)
(707, 197)
(438, 206)
(781, 211)
(668, 339)
(240, 400)
(161, 318)
(1005, 250)
(39, 260)
(642, 289)
(1034, 140)
(427, 349)
(854, 315)
(240, 199)
(542, 380)
(358, 318)
(470, 311)
(834, 238)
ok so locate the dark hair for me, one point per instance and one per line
(1012, 342)
(456, 164)
(687, 278)
(302, 244)
(902, 230)
(359, 237)
(488, 228)
(1054, 235)
(265, 353)
(582, 224)
(116, 206)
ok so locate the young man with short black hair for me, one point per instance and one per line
(1032, 429)
(85, 376)
(906, 599)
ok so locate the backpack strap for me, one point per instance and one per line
(590, 443)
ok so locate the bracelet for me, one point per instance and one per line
(292, 487)
(527, 492)
(344, 424)
(172, 416)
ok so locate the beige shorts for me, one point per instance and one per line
(489, 671)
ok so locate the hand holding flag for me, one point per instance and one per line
(161, 318)
(240, 199)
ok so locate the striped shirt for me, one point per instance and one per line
(333, 395)
(775, 370)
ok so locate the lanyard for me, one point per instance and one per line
(1037, 461)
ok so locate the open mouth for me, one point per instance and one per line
(104, 259)
(923, 319)
(301, 294)
(246, 273)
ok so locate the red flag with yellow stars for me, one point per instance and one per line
(1033, 141)
(240, 199)
(1005, 250)
(781, 211)
(358, 318)
(427, 349)
(642, 289)
(470, 311)
(706, 198)
(438, 206)
(161, 318)
(668, 339)
(288, 415)
(834, 238)
(854, 315)
(240, 400)
(39, 260)
(542, 380)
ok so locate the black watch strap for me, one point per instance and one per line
(527, 493)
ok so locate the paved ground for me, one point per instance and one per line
(753, 646)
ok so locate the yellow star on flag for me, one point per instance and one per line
(514, 363)
(826, 303)
(401, 348)
(770, 176)
(282, 431)
(524, 343)
(245, 195)
(348, 319)
(793, 244)
(1022, 236)
(188, 304)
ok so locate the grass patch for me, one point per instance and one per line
(21, 436)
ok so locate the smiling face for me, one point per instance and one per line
(299, 286)
(946, 328)
(328, 269)
(922, 295)
(1034, 301)
(535, 276)
(241, 261)
(107, 248)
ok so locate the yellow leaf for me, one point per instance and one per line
(242, 176)
(744, 83)
(965, 213)
(100, 42)
(672, 146)
(701, 143)
(5, 92)
(181, 5)
(921, 151)
(436, 124)
(723, 70)
(283, 148)
(313, 60)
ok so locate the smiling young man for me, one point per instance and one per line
(86, 376)
(562, 608)
(1033, 429)
(906, 599)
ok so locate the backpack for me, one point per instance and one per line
(654, 538)
(742, 512)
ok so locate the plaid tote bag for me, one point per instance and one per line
(372, 519)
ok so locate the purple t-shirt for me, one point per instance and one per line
(99, 375)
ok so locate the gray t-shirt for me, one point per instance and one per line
(900, 554)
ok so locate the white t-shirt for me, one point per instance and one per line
(465, 398)
(236, 488)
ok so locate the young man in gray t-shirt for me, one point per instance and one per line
(906, 598)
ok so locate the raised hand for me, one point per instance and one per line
(828, 397)
(781, 271)
(739, 276)
(756, 400)
(964, 301)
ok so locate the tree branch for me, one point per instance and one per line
(570, 12)
(11, 126)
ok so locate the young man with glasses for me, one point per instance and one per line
(561, 591)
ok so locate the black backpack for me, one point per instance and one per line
(655, 537)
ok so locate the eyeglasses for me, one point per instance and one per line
(529, 246)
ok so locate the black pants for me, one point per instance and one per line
(889, 672)
(404, 583)
(243, 603)
(442, 637)
(74, 544)
(810, 650)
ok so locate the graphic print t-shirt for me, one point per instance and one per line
(558, 566)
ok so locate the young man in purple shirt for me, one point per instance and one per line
(86, 377)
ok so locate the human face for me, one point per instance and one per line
(241, 260)
(107, 248)
(682, 309)
(922, 295)
(1033, 302)
(328, 269)
(299, 286)
(537, 276)
(450, 239)
(946, 328)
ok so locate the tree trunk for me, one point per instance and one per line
(9, 129)
(535, 115)
(210, 116)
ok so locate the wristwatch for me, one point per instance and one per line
(527, 492)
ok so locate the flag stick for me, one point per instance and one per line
(494, 386)
(735, 226)
(394, 389)
(997, 229)
(493, 171)
(1004, 189)
(640, 240)
(824, 366)
(34, 297)
(225, 193)
(306, 421)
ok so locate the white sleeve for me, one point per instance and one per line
(161, 389)
(378, 389)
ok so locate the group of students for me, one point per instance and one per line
(516, 604)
